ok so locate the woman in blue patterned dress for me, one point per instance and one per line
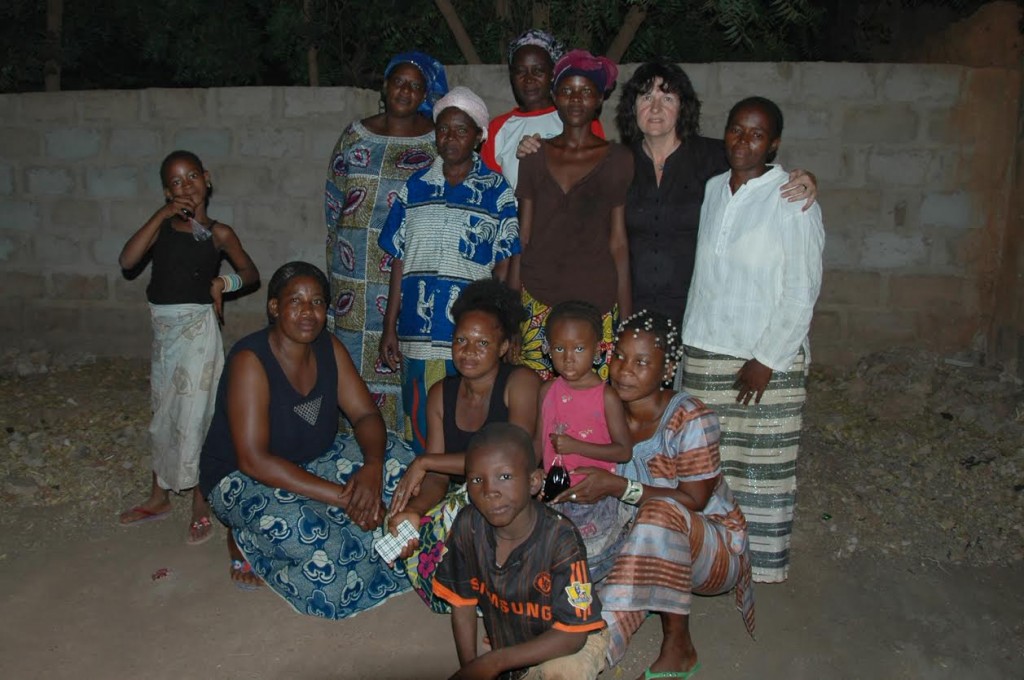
(302, 502)
(371, 161)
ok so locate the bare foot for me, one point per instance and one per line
(241, 571)
(678, 654)
(200, 530)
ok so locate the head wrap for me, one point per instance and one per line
(538, 38)
(433, 74)
(600, 70)
(465, 100)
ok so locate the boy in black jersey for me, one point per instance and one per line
(523, 565)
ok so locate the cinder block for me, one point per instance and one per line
(305, 102)
(134, 143)
(242, 181)
(880, 124)
(175, 104)
(78, 213)
(109, 106)
(105, 250)
(245, 102)
(11, 322)
(946, 330)
(875, 329)
(21, 285)
(131, 290)
(272, 143)
(20, 215)
(857, 289)
(20, 143)
(15, 249)
(925, 292)
(828, 163)
(322, 141)
(116, 182)
(127, 216)
(47, 106)
(774, 79)
(222, 212)
(51, 318)
(842, 250)
(933, 83)
(205, 142)
(901, 210)
(808, 123)
(849, 206)
(300, 179)
(66, 286)
(946, 125)
(829, 81)
(130, 321)
(953, 209)
(899, 168)
(826, 330)
(892, 251)
(277, 217)
(60, 251)
(953, 248)
(57, 181)
(8, 106)
(6, 180)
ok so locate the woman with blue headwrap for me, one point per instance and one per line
(371, 162)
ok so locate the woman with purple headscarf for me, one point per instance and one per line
(371, 162)
(572, 225)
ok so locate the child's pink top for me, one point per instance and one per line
(582, 412)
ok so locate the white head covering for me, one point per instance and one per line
(465, 100)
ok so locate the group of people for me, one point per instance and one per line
(566, 465)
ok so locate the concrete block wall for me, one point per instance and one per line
(915, 165)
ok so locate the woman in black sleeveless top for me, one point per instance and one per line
(301, 500)
(485, 390)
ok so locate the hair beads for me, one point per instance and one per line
(666, 337)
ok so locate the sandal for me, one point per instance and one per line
(144, 516)
(200, 531)
(242, 567)
(682, 675)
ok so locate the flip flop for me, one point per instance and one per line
(147, 516)
(242, 567)
(682, 675)
(203, 524)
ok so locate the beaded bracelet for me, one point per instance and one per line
(232, 282)
(633, 493)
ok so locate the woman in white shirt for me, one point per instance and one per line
(756, 279)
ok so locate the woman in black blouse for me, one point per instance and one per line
(658, 116)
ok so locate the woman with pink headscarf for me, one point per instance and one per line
(572, 197)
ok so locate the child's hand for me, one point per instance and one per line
(176, 207)
(217, 293)
(563, 443)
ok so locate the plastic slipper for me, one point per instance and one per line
(147, 516)
(682, 675)
(203, 524)
(242, 567)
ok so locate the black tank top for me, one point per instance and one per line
(457, 440)
(182, 268)
(302, 426)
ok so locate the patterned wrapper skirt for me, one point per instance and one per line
(534, 352)
(308, 552)
(434, 529)
(187, 360)
(758, 448)
(670, 554)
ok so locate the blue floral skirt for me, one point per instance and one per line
(308, 552)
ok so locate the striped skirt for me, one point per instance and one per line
(758, 448)
(670, 554)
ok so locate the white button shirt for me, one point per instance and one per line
(757, 272)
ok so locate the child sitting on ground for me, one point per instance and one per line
(523, 565)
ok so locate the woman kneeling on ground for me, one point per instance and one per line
(301, 500)
(484, 390)
(688, 535)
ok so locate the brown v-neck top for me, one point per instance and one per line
(568, 257)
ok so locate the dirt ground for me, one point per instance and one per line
(868, 597)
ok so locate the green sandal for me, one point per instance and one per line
(682, 675)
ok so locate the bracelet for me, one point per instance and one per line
(232, 282)
(633, 493)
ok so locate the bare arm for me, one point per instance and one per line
(464, 632)
(515, 280)
(621, 447)
(421, 488)
(143, 239)
(522, 395)
(248, 399)
(538, 432)
(551, 644)
(390, 354)
(225, 240)
(619, 245)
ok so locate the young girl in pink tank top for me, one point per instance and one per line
(582, 421)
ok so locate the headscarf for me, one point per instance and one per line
(465, 100)
(433, 74)
(538, 38)
(601, 70)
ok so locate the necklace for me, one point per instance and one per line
(660, 167)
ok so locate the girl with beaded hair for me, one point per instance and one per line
(684, 532)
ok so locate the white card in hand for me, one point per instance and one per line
(388, 546)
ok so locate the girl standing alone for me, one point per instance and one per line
(186, 298)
